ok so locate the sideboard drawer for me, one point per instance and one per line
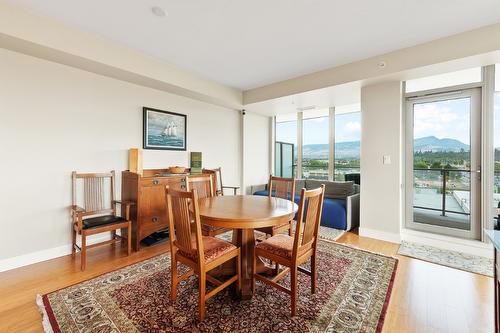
(154, 181)
(177, 183)
(152, 222)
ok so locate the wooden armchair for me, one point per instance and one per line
(218, 186)
(279, 187)
(204, 186)
(200, 253)
(294, 251)
(96, 216)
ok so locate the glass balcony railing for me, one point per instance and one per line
(442, 190)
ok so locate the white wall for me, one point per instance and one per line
(55, 119)
(381, 193)
(257, 155)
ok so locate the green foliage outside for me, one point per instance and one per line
(440, 160)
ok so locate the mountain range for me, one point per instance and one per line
(350, 149)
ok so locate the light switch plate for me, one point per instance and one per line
(387, 159)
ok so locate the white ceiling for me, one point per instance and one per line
(247, 44)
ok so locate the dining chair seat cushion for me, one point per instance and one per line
(100, 221)
(214, 248)
(280, 245)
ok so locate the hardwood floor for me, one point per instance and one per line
(426, 297)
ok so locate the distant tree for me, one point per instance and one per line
(436, 165)
(318, 163)
(420, 165)
(448, 166)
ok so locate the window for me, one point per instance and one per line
(316, 137)
(465, 76)
(315, 149)
(286, 145)
(496, 186)
(347, 144)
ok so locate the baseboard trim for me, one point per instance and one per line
(43, 255)
(381, 235)
(473, 247)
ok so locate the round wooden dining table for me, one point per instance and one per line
(243, 214)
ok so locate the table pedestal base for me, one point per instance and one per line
(245, 240)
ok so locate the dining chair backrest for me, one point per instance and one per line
(217, 179)
(308, 219)
(94, 192)
(283, 188)
(180, 219)
(202, 183)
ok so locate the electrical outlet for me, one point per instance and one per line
(387, 159)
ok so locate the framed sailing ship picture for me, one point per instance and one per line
(164, 129)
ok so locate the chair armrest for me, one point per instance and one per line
(77, 209)
(126, 204)
(234, 188)
(227, 186)
(77, 214)
(352, 211)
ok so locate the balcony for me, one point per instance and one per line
(442, 197)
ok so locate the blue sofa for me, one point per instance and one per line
(339, 213)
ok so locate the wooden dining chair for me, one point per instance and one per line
(200, 253)
(204, 186)
(96, 213)
(283, 188)
(218, 185)
(293, 251)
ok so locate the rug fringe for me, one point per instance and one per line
(45, 317)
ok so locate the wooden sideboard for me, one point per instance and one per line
(148, 192)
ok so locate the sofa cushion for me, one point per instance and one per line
(334, 213)
(333, 190)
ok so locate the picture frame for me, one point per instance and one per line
(164, 130)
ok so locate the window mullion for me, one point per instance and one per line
(331, 144)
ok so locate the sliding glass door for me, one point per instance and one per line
(284, 157)
(443, 163)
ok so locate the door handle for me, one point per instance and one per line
(156, 182)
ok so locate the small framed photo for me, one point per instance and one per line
(163, 129)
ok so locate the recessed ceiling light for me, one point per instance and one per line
(158, 11)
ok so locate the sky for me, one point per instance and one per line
(450, 119)
(347, 128)
(444, 119)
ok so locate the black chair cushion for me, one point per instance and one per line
(102, 221)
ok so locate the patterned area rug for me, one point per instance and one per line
(353, 291)
(463, 261)
(327, 233)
